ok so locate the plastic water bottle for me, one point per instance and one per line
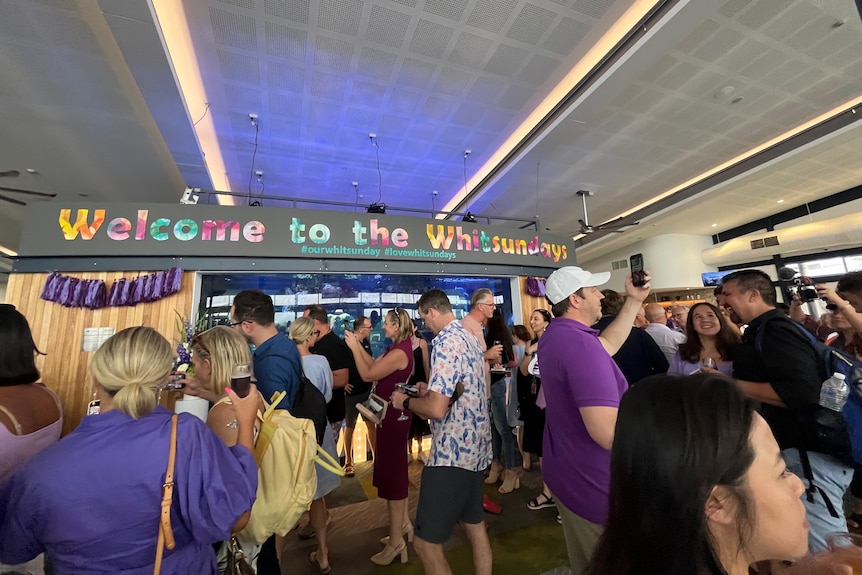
(834, 392)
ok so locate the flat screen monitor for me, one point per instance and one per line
(712, 278)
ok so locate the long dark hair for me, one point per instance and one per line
(17, 348)
(725, 340)
(676, 438)
(498, 330)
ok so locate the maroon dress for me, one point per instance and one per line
(390, 457)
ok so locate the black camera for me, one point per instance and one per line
(800, 285)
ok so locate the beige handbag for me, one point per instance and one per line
(166, 534)
(373, 409)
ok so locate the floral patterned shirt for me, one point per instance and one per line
(462, 438)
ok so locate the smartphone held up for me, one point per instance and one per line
(636, 262)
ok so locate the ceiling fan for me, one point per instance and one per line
(611, 226)
(14, 174)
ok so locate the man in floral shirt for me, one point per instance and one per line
(454, 401)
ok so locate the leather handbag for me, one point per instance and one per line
(166, 534)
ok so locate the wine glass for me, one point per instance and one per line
(240, 383)
(708, 362)
(403, 416)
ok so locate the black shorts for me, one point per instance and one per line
(350, 411)
(448, 495)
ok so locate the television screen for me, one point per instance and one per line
(712, 278)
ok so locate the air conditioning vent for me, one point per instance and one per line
(757, 244)
(619, 265)
(770, 241)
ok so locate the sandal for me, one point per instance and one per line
(541, 501)
(348, 470)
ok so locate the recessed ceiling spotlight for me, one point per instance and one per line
(839, 23)
(83, 195)
(714, 225)
(724, 92)
(737, 100)
(780, 201)
(32, 171)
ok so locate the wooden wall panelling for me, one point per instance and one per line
(59, 331)
(530, 303)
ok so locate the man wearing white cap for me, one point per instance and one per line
(582, 387)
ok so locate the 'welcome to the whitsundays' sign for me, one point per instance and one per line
(53, 229)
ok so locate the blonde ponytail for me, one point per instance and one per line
(132, 365)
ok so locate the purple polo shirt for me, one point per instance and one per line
(576, 372)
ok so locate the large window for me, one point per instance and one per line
(345, 296)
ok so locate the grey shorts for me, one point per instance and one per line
(447, 496)
(350, 411)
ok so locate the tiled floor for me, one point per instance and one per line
(359, 520)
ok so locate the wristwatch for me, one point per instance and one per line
(406, 404)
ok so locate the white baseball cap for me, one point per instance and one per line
(569, 279)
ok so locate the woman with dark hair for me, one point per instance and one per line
(709, 337)
(521, 337)
(533, 416)
(698, 476)
(30, 414)
(503, 442)
(390, 453)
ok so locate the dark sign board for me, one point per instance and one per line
(227, 231)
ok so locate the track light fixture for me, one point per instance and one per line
(469, 218)
(376, 209)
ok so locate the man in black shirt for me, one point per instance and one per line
(340, 359)
(783, 375)
(357, 392)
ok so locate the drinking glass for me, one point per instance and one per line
(403, 416)
(240, 383)
(708, 362)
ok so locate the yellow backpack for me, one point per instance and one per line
(285, 452)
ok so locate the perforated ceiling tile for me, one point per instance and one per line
(238, 68)
(242, 97)
(469, 114)
(568, 33)
(436, 108)
(506, 60)
(247, 4)
(333, 53)
(678, 76)
(531, 24)
(538, 69)
(283, 104)
(486, 89)
(515, 97)
(281, 76)
(387, 27)
(14, 22)
(697, 37)
(408, 3)
(491, 15)
(234, 30)
(376, 64)
(470, 50)
(296, 10)
(833, 42)
(451, 9)
(452, 81)
(846, 57)
(328, 86)
(342, 16)
(721, 43)
(430, 39)
(66, 30)
(368, 94)
(759, 13)
(284, 42)
(416, 73)
(792, 21)
(402, 101)
(594, 8)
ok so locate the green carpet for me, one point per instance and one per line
(526, 551)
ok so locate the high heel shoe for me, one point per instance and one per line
(388, 555)
(511, 481)
(405, 530)
(493, 476)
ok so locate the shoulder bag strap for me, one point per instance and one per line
(12, 419)
(166, 535)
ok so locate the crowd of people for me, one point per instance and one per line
(695, 426)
